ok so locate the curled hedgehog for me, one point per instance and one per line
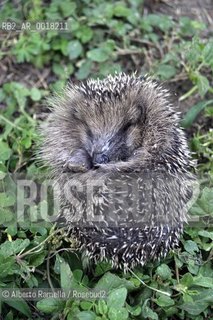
(122, 165)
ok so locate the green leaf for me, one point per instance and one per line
(86, 315)
(194, 308)
(58, 85)
(6, 200)
(118, 314)
(98, 54)
(201, 281)
(164, 301)
(2, 175)
(3, 169)
(73, 313)
(203, 85)
(102, 267)
(171, 311)
(66, 275)
(208, 52)
(84, 34)
(147, 312)
(189, 26)
(58, 261)
(164, 271)
(5, 215)
(87, 305)
(74, 49)
(6, 266)
(21, 306)
(117, 298)
(209, 112)
(204, 205)
(32, 281)
(206, 200)
(12, 229)
(206, 234)
(162, 22)
(9, 248)
(84, 70)
(121, 10)
(39, 228)
(204, 295)
(67, 7)
(193, 266)
(187, 280)
(78, 275)
(74, 24)
(135, 310)
(193, 112)
(2, 95)
(37, 259)
(206, 270)
(50, 305)
(191, 246)
(26, 142)
(111, 281)
(35, 94)
(166, 71)
(63, 71)
(20, 92)
(109, 68)
(62, 45)
(102, 307)
(5, 151)
(9, 316)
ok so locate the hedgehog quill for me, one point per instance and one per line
(122, 164)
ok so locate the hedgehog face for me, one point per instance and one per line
(119, 123)
(107, 148)
(107, 141)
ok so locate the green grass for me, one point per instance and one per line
(103, 37)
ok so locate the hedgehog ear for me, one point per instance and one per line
(140, 109)
(138, 113)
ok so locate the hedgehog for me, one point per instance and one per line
(122, 166)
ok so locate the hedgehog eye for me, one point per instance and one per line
(127, 126)
(89, 132)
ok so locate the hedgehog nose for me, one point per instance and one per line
(100, 158)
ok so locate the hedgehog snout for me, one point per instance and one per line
(100, 158)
